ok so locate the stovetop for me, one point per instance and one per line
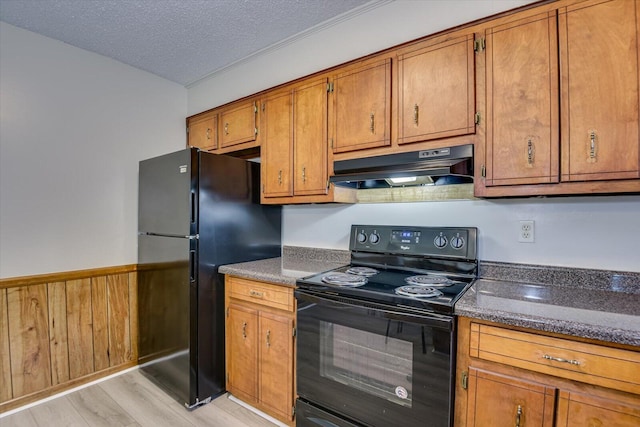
(398, 253)
(382, 286)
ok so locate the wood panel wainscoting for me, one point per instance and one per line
(61, 330)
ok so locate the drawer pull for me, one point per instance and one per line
(559, 359)
(268, 338)
(518, 414)
(256, 294)
(244, 330)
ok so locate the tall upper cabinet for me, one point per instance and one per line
(562, 101)
(294, 145)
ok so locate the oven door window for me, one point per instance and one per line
(374, 366)
(373, 363)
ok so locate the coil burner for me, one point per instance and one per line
(418, 291)
(344, 279)
(433, 281)
(362, 271)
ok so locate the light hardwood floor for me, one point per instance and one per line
(131, 400)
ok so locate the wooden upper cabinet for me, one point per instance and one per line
(277, 145)
(436, 91)
(238, 124)
(294, 146)
(599, 68)
(522, 102)
(362, 107)
(202, 131)
(310, 138)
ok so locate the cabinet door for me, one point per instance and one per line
(310, 139)
(203, 132)
(277, 145)
(522, 145)
(576, 409)
(599, 70)
(498, 400)
(242, 359)
(238, 124)
(362, 99)
(437, 91)
(276, 363)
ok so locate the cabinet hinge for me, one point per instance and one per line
(187, 129)
(328, 183)
(479, 44)
(331, 139)
(293, 332)
(256, 130)
(477, 118)
(465, 380)
(262, 188)
(330, 87)
(255, 107)
(293, 411)
(483, 171)
(264, 106)
(228, 307)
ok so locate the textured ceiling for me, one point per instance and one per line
(180, 40)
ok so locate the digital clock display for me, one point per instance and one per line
(405, 236)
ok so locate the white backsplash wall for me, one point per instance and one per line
(584, 232)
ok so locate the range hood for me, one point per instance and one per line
(448, 165)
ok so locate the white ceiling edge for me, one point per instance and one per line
(295, 38)
(381, 25)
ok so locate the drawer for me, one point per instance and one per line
(262, 293)
(588, 363)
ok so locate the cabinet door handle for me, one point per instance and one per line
(592, 145)
(244, 330)
(304, 174)
(372, 126)
(226, 128)
(415, 113)
(280, 177)
(208, 133)
(518, 415)
(268, 338)
(561, 360)
(256, 294)
(530, 151)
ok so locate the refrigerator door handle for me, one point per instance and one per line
(192, 266)
(179, 236)
(193, 207)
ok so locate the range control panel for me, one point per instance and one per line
(457, 242)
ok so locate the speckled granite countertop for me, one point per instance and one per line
(595, 304)
(296, 262)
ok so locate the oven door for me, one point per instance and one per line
(373, 364)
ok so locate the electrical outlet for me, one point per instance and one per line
(526, 234)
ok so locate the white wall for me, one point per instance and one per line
(73, 126)
(586, 232)
(380, 25)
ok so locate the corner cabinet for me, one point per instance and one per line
(562, 101)
(202, 131)
(524, 378)
(436, 90)
(260, 334)
(296, 161)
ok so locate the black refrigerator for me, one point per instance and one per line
(196, 211)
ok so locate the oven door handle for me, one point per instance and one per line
(306, 300)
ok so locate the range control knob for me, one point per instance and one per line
(440, 241)
(374, 238)
(362, 237)
(457, 242)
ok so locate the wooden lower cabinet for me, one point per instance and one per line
(524, 378)
(502, 400)
(260, 345)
